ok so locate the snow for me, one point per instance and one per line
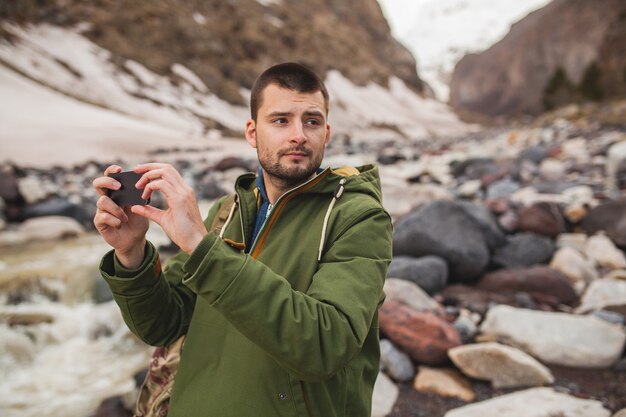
(69, 103)
(440, 32)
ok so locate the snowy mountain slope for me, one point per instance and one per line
(440, 32)
(181, 107)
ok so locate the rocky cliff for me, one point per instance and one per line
(568, 51)
(227, 43)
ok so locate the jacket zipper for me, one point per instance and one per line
(282, 200)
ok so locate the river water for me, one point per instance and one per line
(61, 353)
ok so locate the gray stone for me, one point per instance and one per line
(384, 396)
(410, 294)
(445, 229)
(609, 316)
(488, 224)
(395, 362)
(504, 366)
(466, 327)
(557, 338)
(429, 272)
(533, 402)
(524, 249)
(502, 189)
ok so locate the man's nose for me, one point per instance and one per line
(297, 133)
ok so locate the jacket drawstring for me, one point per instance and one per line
(336, 196)
(230, 216)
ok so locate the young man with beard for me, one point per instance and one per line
(280, 308)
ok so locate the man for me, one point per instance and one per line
(280, 309)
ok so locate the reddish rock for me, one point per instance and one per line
(474, 299)
(545, 284)
(422, 335)
(609, 217)
(542, 218)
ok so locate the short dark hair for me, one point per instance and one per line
(289, 75)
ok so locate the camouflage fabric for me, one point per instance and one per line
(155, 393)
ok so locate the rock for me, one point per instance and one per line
(410, 294)
(33, 189)
(524, 249)
(557, 338)
(209, 188)
(469, 189)
(574, 265)
(576, 241)
(232, 162)
(504, 366)
(59, 207)
(444, 382)
(603, 294)
(474, 168)
(101, 292)
(535, 154)
(466, 327)
(16, 316)
(502, 189)
(610, 218)
(552, 169)
(444, 229)
(535, 402)
(8, 185)
(430, 273)
(536, 280)
(600, 249)
(610, 316)
(50, 228)
(542, 218)
(576, 149)
(474, 299)
(384, 396)
(494, 237)
(620, 413)
(423, 335)
(616, 154)
(396, 363)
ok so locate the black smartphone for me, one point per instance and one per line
(127, 194)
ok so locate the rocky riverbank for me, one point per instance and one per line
(507, 290)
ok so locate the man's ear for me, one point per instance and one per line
(251, 132)
(327, 139)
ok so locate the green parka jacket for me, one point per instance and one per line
(272, 332)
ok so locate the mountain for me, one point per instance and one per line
(188, 66)
(568, 51)
(440, 32)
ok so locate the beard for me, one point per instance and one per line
(290, 175)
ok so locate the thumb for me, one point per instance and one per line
(149, 212)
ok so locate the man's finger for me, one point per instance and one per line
(105, 203)
(103, 219)
(149, 212)
(111, 169)
(102, 184)
(163, 186)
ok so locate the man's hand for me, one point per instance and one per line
(123, 230)
(182, 220)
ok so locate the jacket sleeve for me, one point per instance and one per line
(311, 335)
(155, 305)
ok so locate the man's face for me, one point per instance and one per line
(290, 134)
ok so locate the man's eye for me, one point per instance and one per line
(279, 121)
(313, 122)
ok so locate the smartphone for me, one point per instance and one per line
(127, 194)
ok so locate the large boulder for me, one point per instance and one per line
(430, 273)
(444, 229)
(533, 402)
(538, 280)
(423, 335)
(504, 366)
(524, 249)
(557, 338)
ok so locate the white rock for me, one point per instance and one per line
(576, 149)
(444, 382)
(504, 366)
(574, 265)
(572, 240)
(32, 189)
(557, 338)
(534, 402)
(615, 155)
(50, 228)
(552, 169)
(469, 188)
(603, 293)
(384, 396)
(604, 252)
(620, 413)
(411, 294)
